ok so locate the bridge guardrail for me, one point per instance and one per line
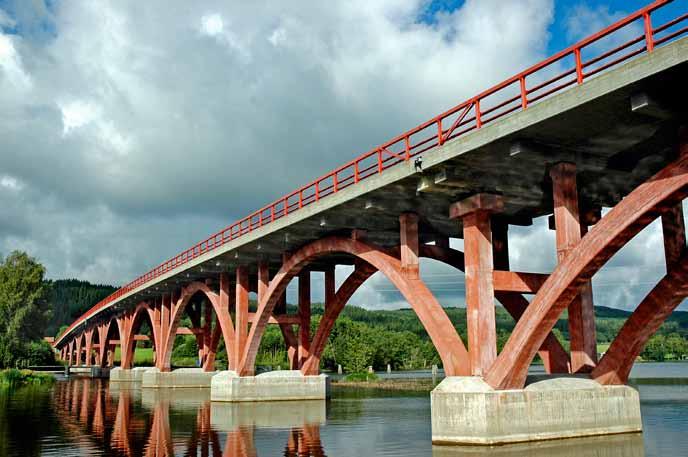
(581, 61)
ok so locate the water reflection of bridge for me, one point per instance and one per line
(132, 422)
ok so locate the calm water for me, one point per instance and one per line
(92, 417)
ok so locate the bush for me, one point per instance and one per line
(40, 353)
(361, 377)
(187, 348)
(15, 378)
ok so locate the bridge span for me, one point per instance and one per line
(601, 124)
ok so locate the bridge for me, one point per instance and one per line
(601, 124)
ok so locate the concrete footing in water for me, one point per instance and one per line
(88, 371)
(133, 375)
(179, 378)
(466, 410)
(271, 386)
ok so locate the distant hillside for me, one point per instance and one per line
(608, 320)
(70, 298)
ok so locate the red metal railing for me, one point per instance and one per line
(498, 101)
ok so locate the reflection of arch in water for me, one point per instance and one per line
(97, 417)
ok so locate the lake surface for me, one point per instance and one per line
(93, 417)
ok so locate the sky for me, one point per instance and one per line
(128, 128)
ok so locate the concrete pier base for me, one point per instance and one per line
(466, 410)
(270, 386)
(179, 378)
(88, 371)
(134, 375)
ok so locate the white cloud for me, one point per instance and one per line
(11, 183)
(212, 24)
(278, 37)
(11, 67)
(153, 127)
(77, 113)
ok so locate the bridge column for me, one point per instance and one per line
(475, 213)
(126, 341)
(408, 234)
(241, 312)
(569, 233)
(164, 313)
(89, 347)
(78, 351)
(227, 302)
(103, 330)
(71, 353)
(304, 316)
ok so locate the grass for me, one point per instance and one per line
(13, 377)
(361, 377)
(602, 347)
(400, 385)
(143, 357)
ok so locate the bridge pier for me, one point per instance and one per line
(153, 378)
(468, 411)
(228, 386)
(135, 374)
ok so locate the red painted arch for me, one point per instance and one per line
(440, 329)
(222, 317)
(656, 307)
(552, 352)
(652, 198)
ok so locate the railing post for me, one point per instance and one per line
(407, 147)
(334, 182)
(317, 190)
(478, 120)
(524, 93)
(579, 65)
(356, 171)
(440, 140)
(649, 40)
(379, 161)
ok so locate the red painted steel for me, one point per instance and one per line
(656, 307)
(431, 314)
(431, 134)
(638, 209)
(552, 353)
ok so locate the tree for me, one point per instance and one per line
(23, 309)
(655, 348)
(676, 346)
(351, 344)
